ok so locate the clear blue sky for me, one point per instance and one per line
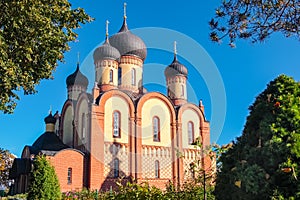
(245, 70)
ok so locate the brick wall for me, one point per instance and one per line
(69, 159)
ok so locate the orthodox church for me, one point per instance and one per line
(120, 130)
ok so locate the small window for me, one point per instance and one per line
(111, 76)
(116, 124)
(83, 126)
(156, 129)
(69, 175)
(190, 132)
(182, 90)
(116, 167)
(119, 76)
(133, 77)
(157, 174)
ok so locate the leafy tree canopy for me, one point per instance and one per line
(6, 160)
(255, 19)
(44, 182)
(33, 37)
(264, 162)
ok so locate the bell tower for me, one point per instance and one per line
(176, 76)
(106, 59)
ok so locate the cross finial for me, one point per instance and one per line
(50, 110)
(78, 58)
(175, 48)
(106, 30)
(125, 4)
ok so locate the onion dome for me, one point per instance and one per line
(50, 119)
(128, 43)
(176, 68)
(106, 52)
(77, 78)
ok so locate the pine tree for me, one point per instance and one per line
(264, 162)
(44, 183)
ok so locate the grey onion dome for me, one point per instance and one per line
(50, 119)
(106, 52)
(128, 43)
(77, 78)
(176, 68)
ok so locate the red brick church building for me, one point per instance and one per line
(120, 129)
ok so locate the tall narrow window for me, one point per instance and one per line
(190, 132)
(133, 74)
(83, 126)
(157, 169)
(119, 76)
(111, 75)
(69, 175)
(182, 90)
(116, 167)
(116, 124)
(156, 129)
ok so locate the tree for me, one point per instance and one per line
(255, 19)
(6, 160)
(263, 162)
(44, 182)
(33, 37)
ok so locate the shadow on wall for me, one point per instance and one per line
(115, 174)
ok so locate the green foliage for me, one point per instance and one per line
(264, 162)
(138, 191)
(6, 160)
(143, 191)
(17, 196)
(255, 20)
(44, 183)
(33, 37)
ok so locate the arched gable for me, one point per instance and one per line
(194, 108)
(116, 101)
(116, 93)
(81, 118)
(190, 113)
(26, 152)
(156, 116)
(66, 127)
(159, 96)
(64, 160)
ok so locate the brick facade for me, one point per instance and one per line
(69, 159)
(96, 157)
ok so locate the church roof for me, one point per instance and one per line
(106, 52)
(50, 119)
(20, 166)
(176, 68)
(77, 78)
(127, 43)
(48, 141)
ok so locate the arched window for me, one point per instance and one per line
(116, 167)
(156, 129)
(182, 90)
(69, 175)
(111, 75)
(83, 126)
(157, 174)
(119, 76)
(116, 124)
(190, 132)
(133, 76)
